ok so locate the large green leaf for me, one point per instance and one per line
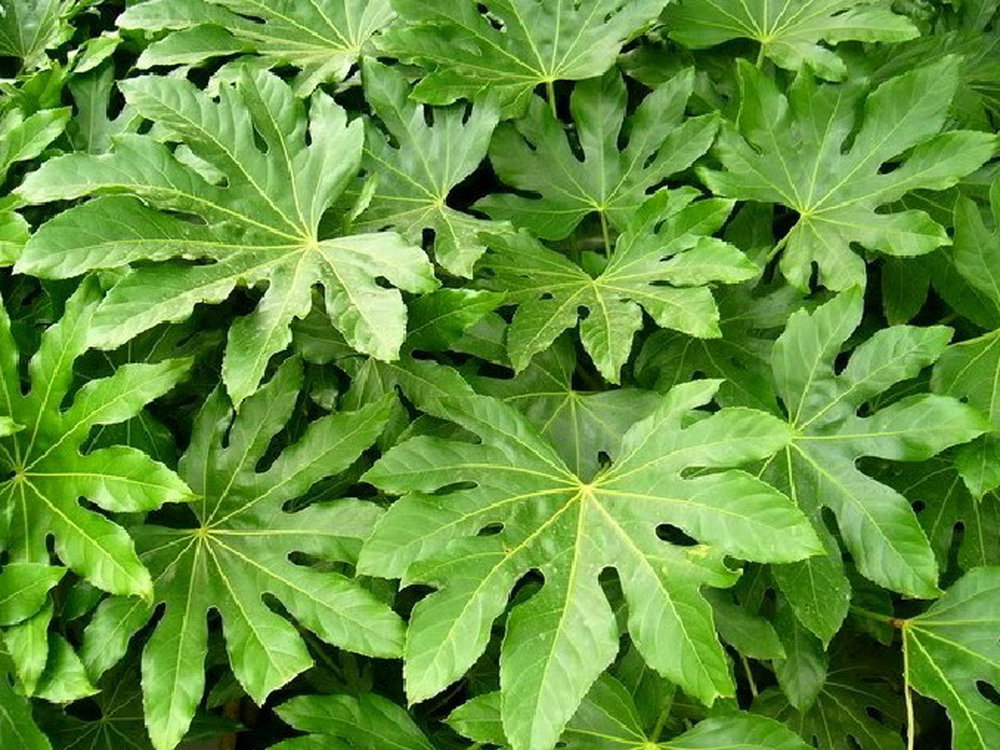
(415, 171)
(662, 265)
(323, 38)
(345, 722)
(581, 424)
(511, 45)
(788, 31)
(46, 472)
(240, 546)
(534, 155)
(794, 150)
(569, 529)
(971, 369)
(817, 469)
(952, 649)
(262, 226)
(29, 27)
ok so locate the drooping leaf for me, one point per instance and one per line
(569, 529)
(511, 46)
(365, 722)
(46, 472)
(971, 369)
(416, 171)
(855, 707)
(791, 150)
(789, 32)
(323, 38)
(662, 265)
(239, 547)
(261, 227)
(533, 155)
(581, 424)
(952, 648)
(817, 469)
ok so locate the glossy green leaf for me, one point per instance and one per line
(558, 642)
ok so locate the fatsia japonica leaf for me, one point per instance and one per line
(17, 726)
(238, 548)
(511, 46)
(580, 424)
(569, 529)
(416, 170)
(608, 717)
(794, 150)
(46, 472)
(949, 513)
(22, 138)
(323, 38)
(534, 155)
(952, 648)
(789, 31)
(817, 468)
(663, 265)
(347, 722)
(29, 27)
(971, 369)
(856, 707)
(262, 226)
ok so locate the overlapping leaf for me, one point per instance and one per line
(971, 369)
(951, 649)
(662, 265)
(533, 155)
(239, 548)
(260, 226)
(323, 38)
(789, 31)
(511, 46)
(569, 529)
(29, 27)
(416, 171)
(809, 151)
(817, 469)
(47, 473)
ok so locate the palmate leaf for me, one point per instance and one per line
(239, 547)
(47, 473)
(789, 31)
(510, 46)
(262, 226)
(952, 648)
(663, 264)
(950, 515)
(29, 27)
(534, 155)
(22, 138)
(346, 722)
(569, 529)
(415, 175)
(971, 369)
(580, 424)
(817, 469)
(323, 38)
(791, 150)
(609, 717)
(856, 707)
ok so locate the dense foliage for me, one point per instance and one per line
(438, 374)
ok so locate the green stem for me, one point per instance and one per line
(911, 724)
(606, 234)
(661, 720)
(746, 668)
(868, 614)
(550, 94)
(760, 56)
